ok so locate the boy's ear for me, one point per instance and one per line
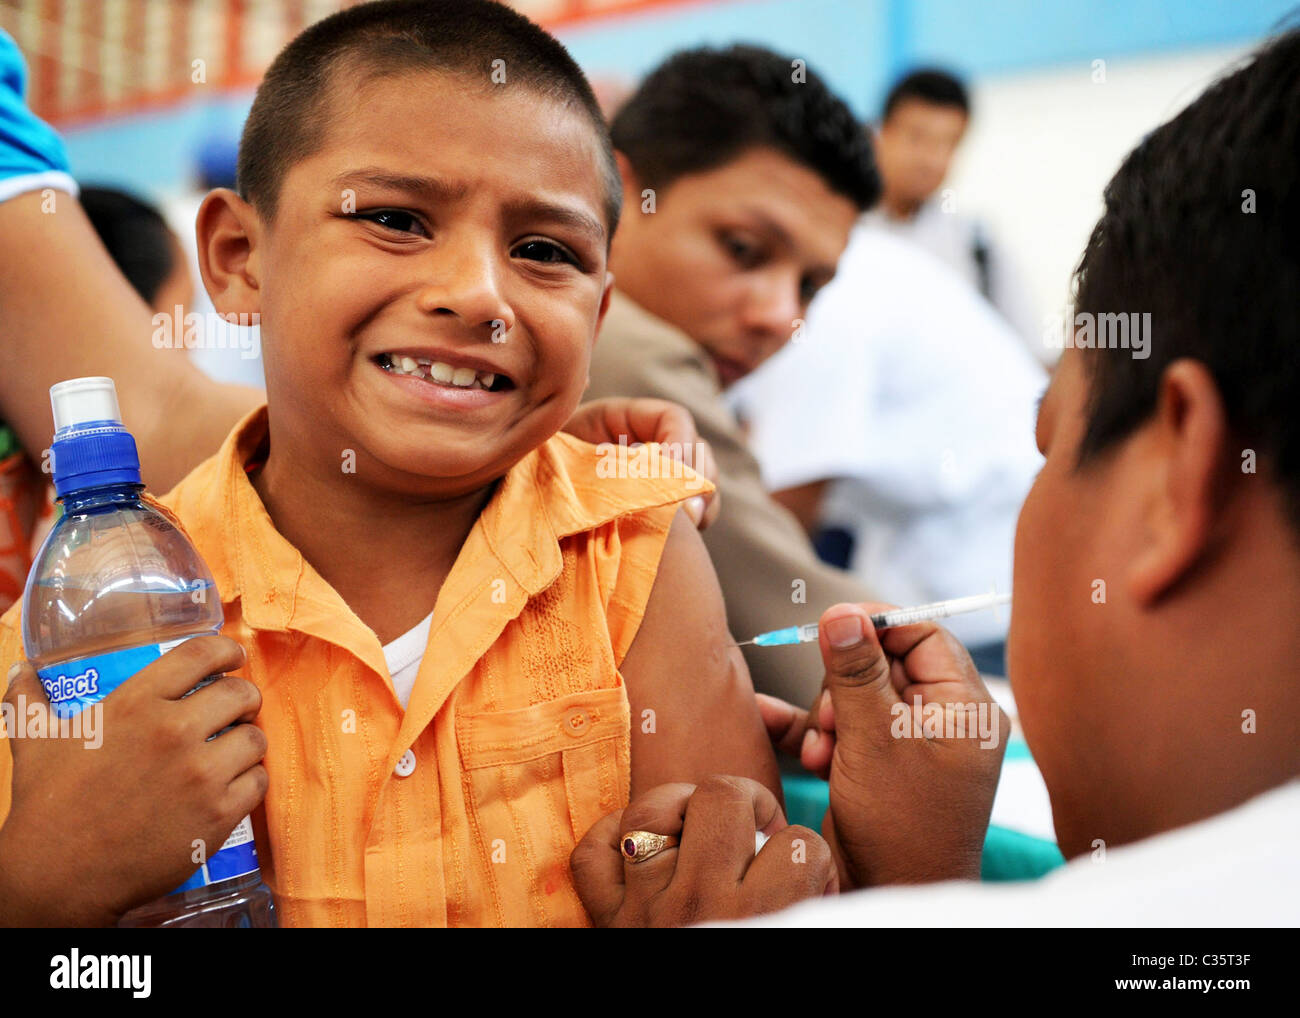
(604, 305)
(227, 230)
(631, 185)
(600, 318)
(1183, 456)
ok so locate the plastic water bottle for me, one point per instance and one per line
(114, 587)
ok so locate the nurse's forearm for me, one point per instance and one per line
(66, 311)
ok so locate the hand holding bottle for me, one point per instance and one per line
(93, 831)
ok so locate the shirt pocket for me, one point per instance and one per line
(535, 780)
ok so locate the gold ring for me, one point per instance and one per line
(638, 846)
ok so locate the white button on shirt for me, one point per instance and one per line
(403, 657)
(406, 765)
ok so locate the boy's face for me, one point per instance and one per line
(732, 256)
(448, 225)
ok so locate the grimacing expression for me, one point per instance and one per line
(733, 256)
(915, 146)
(446, 227)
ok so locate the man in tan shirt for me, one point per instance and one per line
(743, 176)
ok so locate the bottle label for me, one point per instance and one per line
(236, 858)
(74, 685)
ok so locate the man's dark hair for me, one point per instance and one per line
(703, 108)
(1201, 228)
(930, 85)
(306, 83)
(136, 236)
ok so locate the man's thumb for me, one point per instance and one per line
(857, 670)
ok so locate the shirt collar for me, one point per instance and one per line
(564, 487)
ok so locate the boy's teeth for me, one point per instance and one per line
(439, 371)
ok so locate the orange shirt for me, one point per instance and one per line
(461, 810)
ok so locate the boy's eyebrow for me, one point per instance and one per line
(441, 190)
(378, 177)
(567, 215)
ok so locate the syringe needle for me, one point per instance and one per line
(887, 619)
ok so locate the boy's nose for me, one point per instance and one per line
(466, 282)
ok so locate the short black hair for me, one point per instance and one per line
(703, 108)
(291, 110)
(1200, 229)
(136, 236)
(931, 85)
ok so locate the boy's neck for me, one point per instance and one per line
(387, 556)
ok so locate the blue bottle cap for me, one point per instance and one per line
(91, 447)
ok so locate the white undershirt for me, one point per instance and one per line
(404, 656)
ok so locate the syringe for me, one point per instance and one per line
(886, 619)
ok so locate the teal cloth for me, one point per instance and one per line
(1008, 855)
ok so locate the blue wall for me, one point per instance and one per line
(859, 45)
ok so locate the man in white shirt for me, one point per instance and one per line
(1154, 652)
(901, 413)
(925, 118)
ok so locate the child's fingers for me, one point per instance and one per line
(234, 752)
(707, 466)
(247, 791)
(224, 702)
(182, 668)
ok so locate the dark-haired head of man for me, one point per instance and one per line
(743, 175)
(1154, 646)
(142, 246)
(924, 119)
(417, 178)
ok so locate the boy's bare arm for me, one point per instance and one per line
(682, 668)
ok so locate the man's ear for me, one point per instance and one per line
(1182, 454)
(228, 230)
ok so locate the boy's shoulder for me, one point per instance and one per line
(197, 489)
(583, 486)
